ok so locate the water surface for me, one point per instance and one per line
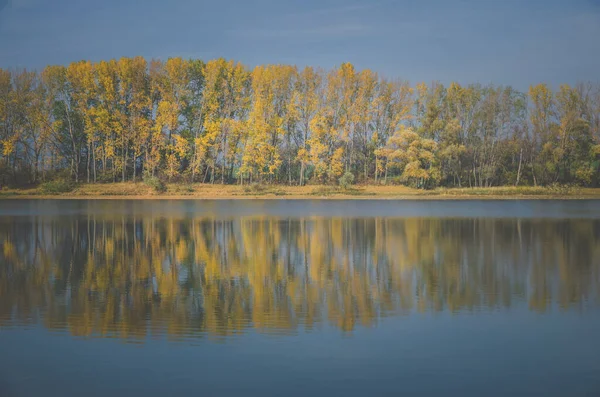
(470, 298)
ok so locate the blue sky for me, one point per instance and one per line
(516, 42)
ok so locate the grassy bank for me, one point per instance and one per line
(205, 191)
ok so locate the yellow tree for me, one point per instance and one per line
(170, 85)
(206, 147)
(155, 142)
(258, 154)
(304, 106)
(284, 82)
(83, 87)
(193, 114)
(326, 153)
(414, 156)
(341, 92)
(236, 104)
(135, 101)
(461, 107)
(331, 139)
(109, 118)
(265, 125)
(361, 116)
(224, 105)
(391, 106)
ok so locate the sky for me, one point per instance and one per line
(505, 42)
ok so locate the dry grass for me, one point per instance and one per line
(207, 191)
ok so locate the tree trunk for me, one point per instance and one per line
(89, 161)
(124, 170)
(519, 170)
(206, 174)
(386, 174)
(533, 172)
(75, 158)
(94, 162)
(134, 165)
(376, 168)
(290, 169)
(223, 172)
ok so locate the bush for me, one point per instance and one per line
(155, 183)
(560, 189)
(346, 180)
(255, 188)
(105, 177)
(57, 186)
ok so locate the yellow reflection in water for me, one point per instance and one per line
(130, 278)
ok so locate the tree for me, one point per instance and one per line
(415, 156)
(204, 122)
(136, 104)
(83, 91)
(305, 105)
(575, 151)
(67, 123)
(543, 132)
(391, 107)
(224, 116)
(109, 120)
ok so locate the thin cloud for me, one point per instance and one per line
(341, 10)
(330, 32)
(344, 21)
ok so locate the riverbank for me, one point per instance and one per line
(207, 191)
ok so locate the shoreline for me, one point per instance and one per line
(139, 191)
(306, 198)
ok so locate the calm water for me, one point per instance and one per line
(297, 298)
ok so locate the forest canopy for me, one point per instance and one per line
(220, 122)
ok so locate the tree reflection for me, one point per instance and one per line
(120, 276)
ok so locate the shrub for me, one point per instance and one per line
(255, 188)
(57, 186)
(155, 183)
(560, 189)
(346, 180)
(105, 177)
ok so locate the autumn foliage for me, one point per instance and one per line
(219, 122)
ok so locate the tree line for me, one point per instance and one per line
(220, 122)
